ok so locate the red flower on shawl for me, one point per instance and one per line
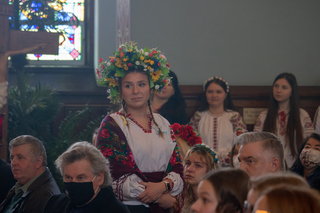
(106, 151)
(105, 133)
(173, 159)
(130, 161)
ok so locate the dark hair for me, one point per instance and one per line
(19, 61)
(231, 187)
(294, 128)
(139, 70)
(231, 165)
(227, 104)
(174, 110)
(297, 166)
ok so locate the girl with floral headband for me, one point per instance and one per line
(140, 145)
(199, 160)
(217, 122)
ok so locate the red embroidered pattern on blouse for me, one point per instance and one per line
(149, 130)
(282, 123)
(215, 130)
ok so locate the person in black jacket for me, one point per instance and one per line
(308, 163)
(87, 182)
(7, 179)
(35, 184)
(170, 102)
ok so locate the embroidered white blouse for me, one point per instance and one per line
(219, 132)
(316, 121)
(151, 152)
(305, 123)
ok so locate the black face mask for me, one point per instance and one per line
(79, 193)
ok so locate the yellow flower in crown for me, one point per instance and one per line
(155, 75)
(151, 62)
(112, 82)
(119, 63)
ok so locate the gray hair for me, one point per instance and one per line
(269, 142)
(84, 150)
(36, 146)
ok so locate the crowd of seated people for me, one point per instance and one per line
(145, 158)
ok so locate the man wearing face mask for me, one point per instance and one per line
(308, 163)
(87, 183)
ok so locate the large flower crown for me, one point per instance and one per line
(187, 133)
(127, 59)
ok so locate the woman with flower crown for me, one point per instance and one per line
(140, 145)
(217, 122)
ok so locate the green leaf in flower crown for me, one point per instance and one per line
(151, 82)
(114, 91)
(165, 71)
(120, 72)
(146, 50)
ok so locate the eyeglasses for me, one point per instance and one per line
(247, 207)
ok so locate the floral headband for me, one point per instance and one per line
(129, 58)
(187, 133)
(209, 150)
(212, 78)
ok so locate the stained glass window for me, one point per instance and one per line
(62, 16)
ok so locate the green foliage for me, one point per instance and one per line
(32, 111)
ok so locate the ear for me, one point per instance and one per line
(39, 162)
(100, 178)
(275, 164)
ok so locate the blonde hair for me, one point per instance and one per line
(189, 195)
(286, 198)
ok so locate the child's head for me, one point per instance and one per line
(199, 160)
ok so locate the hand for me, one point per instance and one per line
(152, 192)
(166, 201)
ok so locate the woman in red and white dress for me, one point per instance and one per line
(284, 118)
(217, 121)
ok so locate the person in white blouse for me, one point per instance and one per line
(140, 145)
(217, 121)
(316, 121)
(284, 118)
